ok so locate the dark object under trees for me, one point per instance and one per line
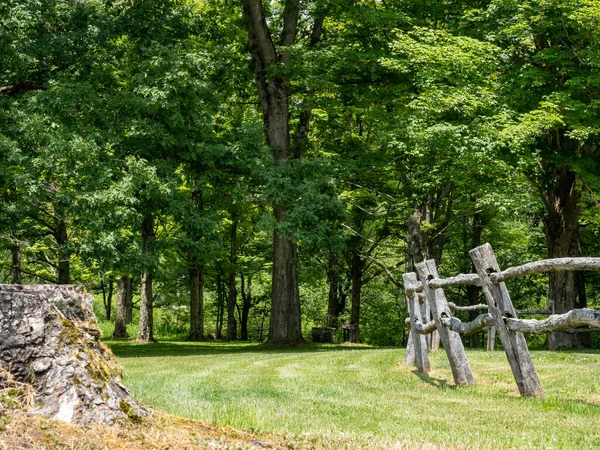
(324, 335)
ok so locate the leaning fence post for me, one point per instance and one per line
(435, 341)
(450, 339)
(491, 341)
(500, 306)
(419, 355)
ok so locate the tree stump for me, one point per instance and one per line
(49, 338)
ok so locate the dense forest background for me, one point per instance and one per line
(253, 170)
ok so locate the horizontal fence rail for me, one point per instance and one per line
(430, 313)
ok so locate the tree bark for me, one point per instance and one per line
(231, 288)
(357, 276)
(246, 304)
(16, 263)
(220, 306)
(62, 241)
(566, 290)
(274, 93)
(196, 300)
(129, 299)
(108, 304)
(336, 302)
(146, 325)
(121, 308)
(415, 241)
(472, 290)
(285, 326)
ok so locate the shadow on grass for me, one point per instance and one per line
(131, 349)
(437, 382)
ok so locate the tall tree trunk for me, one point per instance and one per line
(129, 299)
(146, 326)
(62, 241)
(121, 308)
(246, 304)
(335, 306)
(274, 94)
(196, 271)
(220, 306)
(357, 277)
(285, 326)
(196, 300)
(108, 304)
(473, 291)
(231, 288)
(415, 241)
(16, 262)
(566, 290)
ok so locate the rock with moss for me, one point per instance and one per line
(49, 338)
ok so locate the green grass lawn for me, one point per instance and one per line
(350, 397)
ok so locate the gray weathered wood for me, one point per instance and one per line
(546, 265)
(426, 317)
(421, 357)
(482, 306)
(451, 340)
(412, 286)
(500, 306)
(409, 357)
(434, 341)
(467, 308)
(491, 339)
(422, 328)
(463, 279)
(558, 322)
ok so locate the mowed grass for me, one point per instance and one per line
(353, 396)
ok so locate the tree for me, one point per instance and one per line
(273, 81)
(551, 84)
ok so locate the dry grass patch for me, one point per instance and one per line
(161, 431)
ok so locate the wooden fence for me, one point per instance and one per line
(425, 298)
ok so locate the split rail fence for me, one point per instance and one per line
(425, 290)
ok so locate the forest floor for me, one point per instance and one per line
(328, 397)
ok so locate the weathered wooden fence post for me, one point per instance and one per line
(419, 343)
(435, 341)
(409, 358)
(451, 340)
(491, 339)
(500, 306)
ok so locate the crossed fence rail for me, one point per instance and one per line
(426, 286)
